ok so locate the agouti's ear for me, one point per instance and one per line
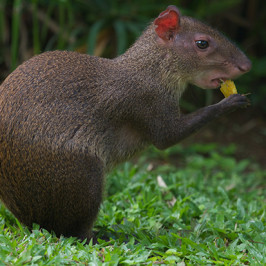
(168, 23)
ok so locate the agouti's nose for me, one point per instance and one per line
(245, 66)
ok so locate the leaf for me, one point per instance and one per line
(121, 37)
(92, 38)
(240, 209)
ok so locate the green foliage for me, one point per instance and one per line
(218, 216)
(15, 33)
(257, 81)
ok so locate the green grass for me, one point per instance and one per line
(218, 217)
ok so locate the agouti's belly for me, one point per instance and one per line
(124, 143)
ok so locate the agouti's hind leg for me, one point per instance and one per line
(61, 190)
(78, 197)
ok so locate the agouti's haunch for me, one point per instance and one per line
(66, 118)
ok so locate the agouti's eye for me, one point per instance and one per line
(202, 44)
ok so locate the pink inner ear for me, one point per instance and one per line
(167, 23)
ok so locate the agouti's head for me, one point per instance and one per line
(197, 53)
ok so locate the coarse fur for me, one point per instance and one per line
(67, 118)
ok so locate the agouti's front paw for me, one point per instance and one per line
(235, 101)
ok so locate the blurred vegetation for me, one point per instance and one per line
(108, 27)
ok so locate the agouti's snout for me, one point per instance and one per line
(245, 66)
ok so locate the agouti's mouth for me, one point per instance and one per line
(217, 82)
(210, 82)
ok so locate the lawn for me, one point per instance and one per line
(210, 211)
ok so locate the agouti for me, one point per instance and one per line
(66, 118)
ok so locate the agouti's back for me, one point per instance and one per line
(66, 118)
(73, 100)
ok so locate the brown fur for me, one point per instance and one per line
(66, 118)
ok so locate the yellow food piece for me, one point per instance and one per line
(228, 88)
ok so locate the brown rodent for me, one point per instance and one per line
(66, 118)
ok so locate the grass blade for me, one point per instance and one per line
(36, 31)
(15, 33)
(2, 20)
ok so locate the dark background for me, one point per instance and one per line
(108, 27)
